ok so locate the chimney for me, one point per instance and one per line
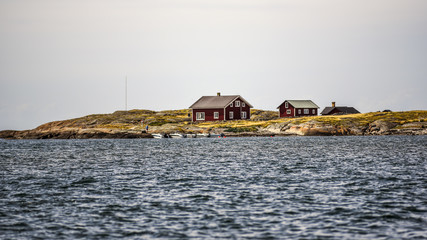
(218, 94)
(333, 104)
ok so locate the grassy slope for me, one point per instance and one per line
(179, 120)
(357, 120)
(123, 120)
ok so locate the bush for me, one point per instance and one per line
(158, 123)
(241, 129)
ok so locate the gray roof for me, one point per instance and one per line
(216, 102)
(347, 110)
(301, 104)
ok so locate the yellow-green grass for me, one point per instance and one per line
(181, 119)
(350, 119)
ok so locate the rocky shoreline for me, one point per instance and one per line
(313, 128)
(124, 125)
(72, 134)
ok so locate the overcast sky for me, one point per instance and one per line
(63, 59)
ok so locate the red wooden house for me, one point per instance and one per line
(297, 108)
(220, 108)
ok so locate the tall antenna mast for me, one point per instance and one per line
(126, 93)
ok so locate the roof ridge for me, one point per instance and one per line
(217, 101)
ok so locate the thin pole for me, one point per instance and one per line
(126, 93)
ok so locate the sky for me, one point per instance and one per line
(62, 59)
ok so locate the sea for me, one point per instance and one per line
(353, 187)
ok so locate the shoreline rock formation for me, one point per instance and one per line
(379, 127)
(127, 124)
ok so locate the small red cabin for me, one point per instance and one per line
(220, 108)
(297, 108)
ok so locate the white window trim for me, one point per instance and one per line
(288, 111)
(306, 111)
(313, 111)
(231, 104)
(286, 105)
(243, 104)
(216, 115)
(200, 116)
(231, 115)
(243, 115)
(237, 104)
(299, 111)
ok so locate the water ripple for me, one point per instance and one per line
(242, 188)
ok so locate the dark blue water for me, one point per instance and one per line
(233, 188)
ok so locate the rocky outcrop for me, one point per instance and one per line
(312, 128)
(72, 134)
(380, 127)
(315, 128)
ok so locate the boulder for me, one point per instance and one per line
(380, 127)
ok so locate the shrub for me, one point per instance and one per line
(241, 129)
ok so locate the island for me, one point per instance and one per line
(133, 124)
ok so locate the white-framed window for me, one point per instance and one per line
(216, 115)
(314, 111)
(306, 111)
(231, 115)
(299, 111)
(243, 115)
(243, 104)
(288, 111)
(231, 104)
(200, 116)
(237, 103)
(286, 105)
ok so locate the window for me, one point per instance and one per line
(237, 103)
(243, 104)
(243, 115)
(200, 116)
(216, 115)
(288, 111)
(299, 111)
(231, 105)
(306, 111)
(231, 115)
(314, 111)
(286, 105)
